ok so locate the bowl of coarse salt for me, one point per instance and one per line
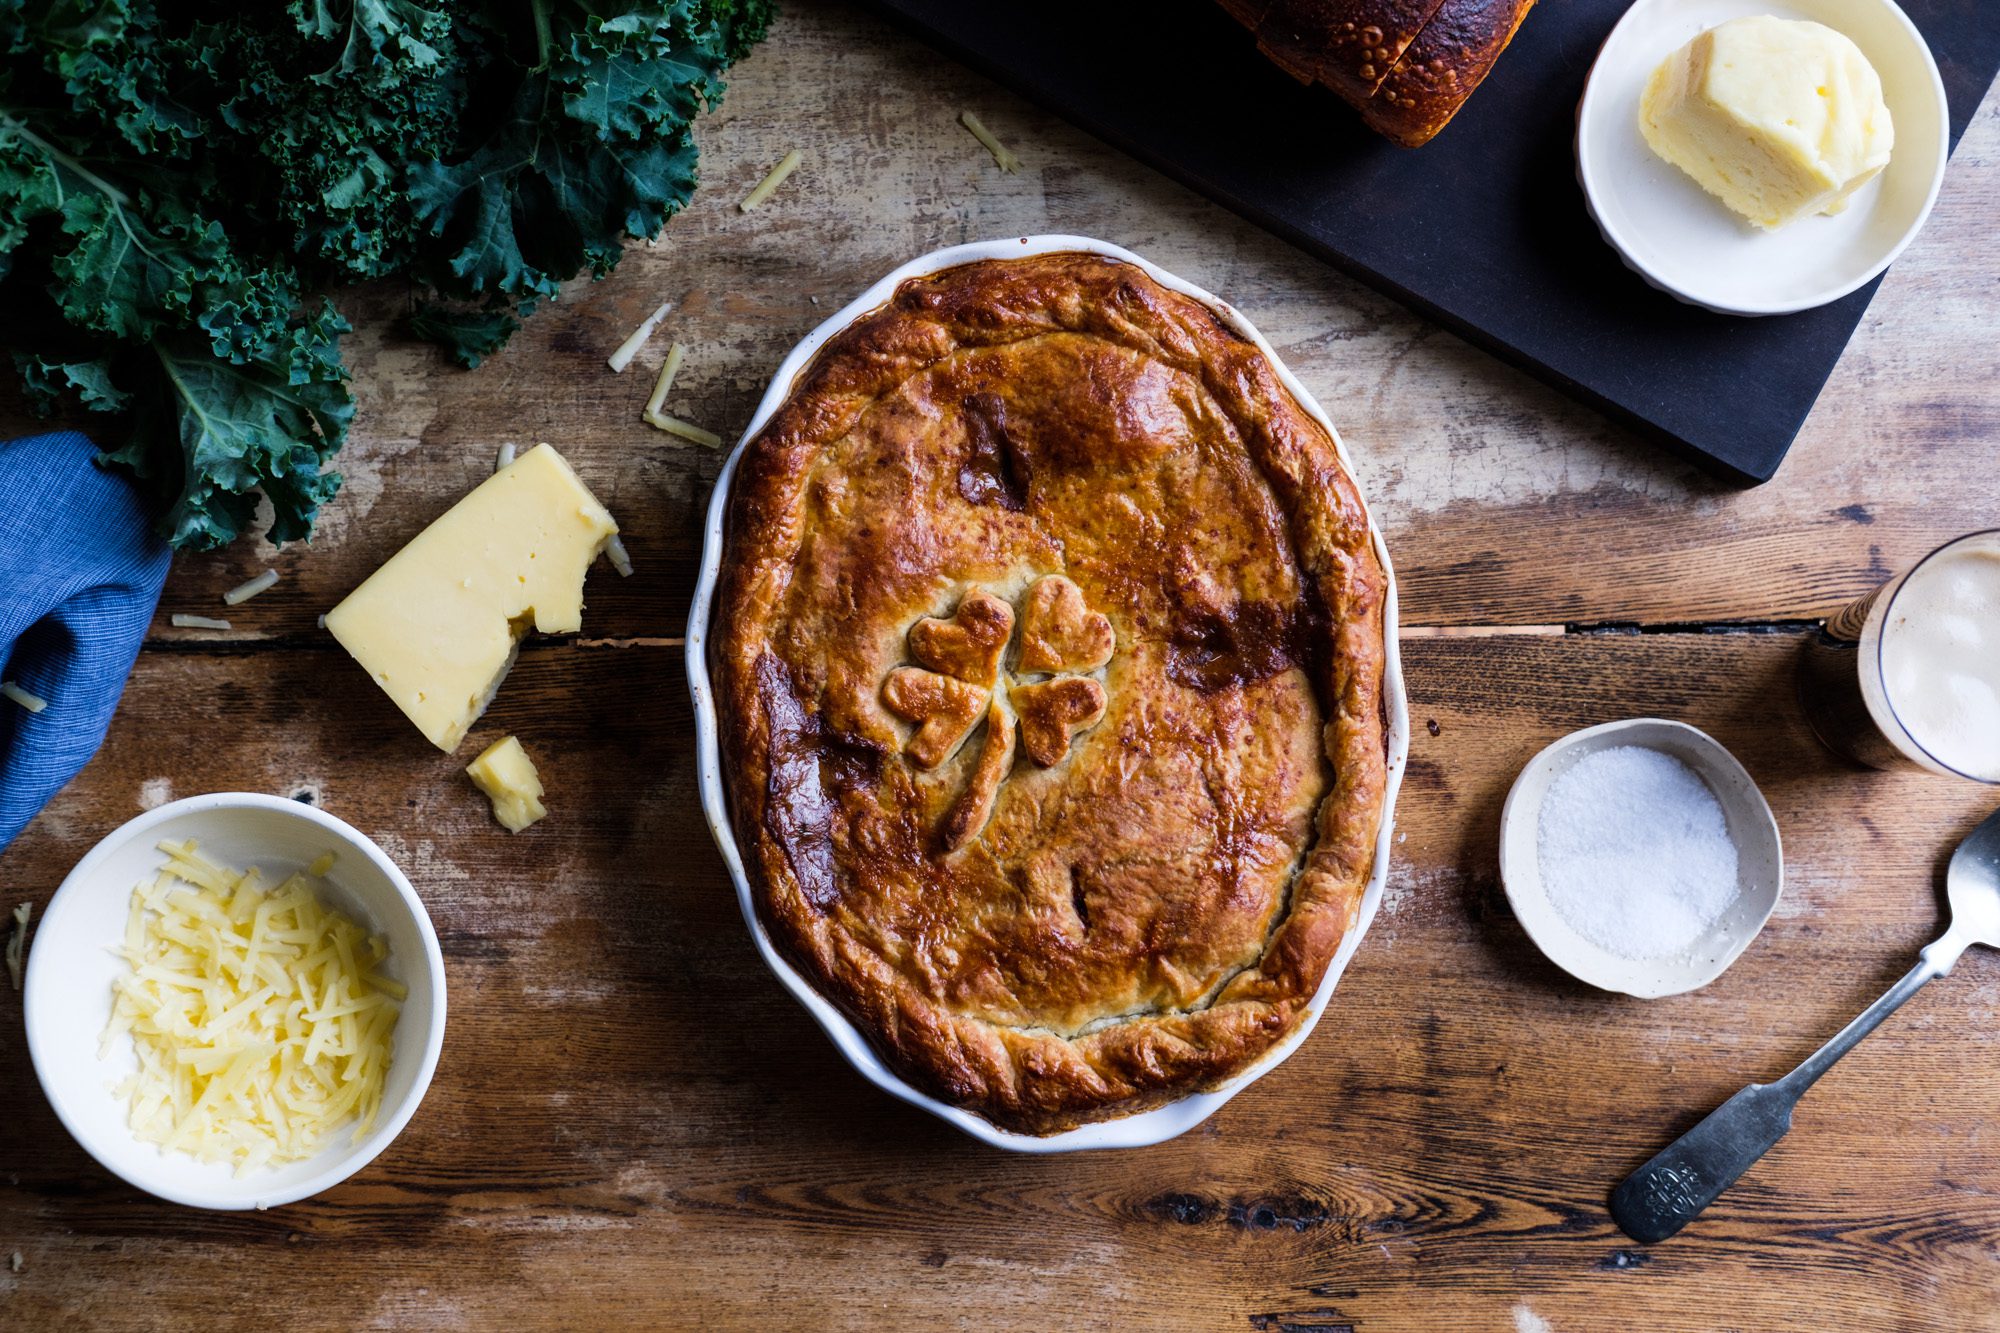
(1640, 856)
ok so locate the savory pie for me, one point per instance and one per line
(1049, 657)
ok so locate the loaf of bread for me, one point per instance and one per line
(1406, 65)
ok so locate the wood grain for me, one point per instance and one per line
(632, 1123)
(1506, 504)
(631, 1114)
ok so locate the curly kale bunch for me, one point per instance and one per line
(180, 178)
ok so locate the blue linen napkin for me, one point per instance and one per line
(80, 576)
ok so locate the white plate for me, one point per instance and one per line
(1760, 861)
(1147, 1127)
(67, 996)
(1683, 240)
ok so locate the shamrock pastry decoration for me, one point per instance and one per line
(957, 682)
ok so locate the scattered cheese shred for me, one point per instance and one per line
(504, 459)
(687, 430)
(668, 369)
(17, 942)
(615, 552)
(259, 1015)
(179, 621)
(244, 591)
(769, 185)
(1003, 156)
(34, 703)
(628, 349)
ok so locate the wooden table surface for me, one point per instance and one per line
(632, 1124)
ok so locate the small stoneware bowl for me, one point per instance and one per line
(1683, 240)
(1760, 861)
(71, 964)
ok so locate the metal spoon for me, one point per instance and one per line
(1666, 1193)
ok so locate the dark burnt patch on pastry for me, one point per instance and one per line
(797, 810)
(808, 768)
(1221, 649)
(995, 471)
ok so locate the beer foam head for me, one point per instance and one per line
(1941, 656)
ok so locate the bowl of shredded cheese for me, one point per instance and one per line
(235, 1001)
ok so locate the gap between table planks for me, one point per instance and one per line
(631, 1116)
(631, 1119)
(1505, 503)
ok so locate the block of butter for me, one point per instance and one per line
(439, 624)
(508, 777)
(1777, 118)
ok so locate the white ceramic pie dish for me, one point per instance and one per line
(1682, 240)
(66, 1000)
(1148, 1127)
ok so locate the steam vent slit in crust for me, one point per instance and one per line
(1049, 653)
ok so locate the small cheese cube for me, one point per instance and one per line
(508, 777)
(1777, 118)
(438, 625)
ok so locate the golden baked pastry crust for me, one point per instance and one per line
(1078, 875)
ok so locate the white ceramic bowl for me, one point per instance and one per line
(1148, 1127)
(67, 998)
(1760, 861)
(1683, 240)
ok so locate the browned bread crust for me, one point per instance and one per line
(1451, 56)
(1153, 911)
(1406, 65)
(1348, 45)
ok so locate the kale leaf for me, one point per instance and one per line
(180, 181)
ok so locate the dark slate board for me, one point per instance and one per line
(1483, 229)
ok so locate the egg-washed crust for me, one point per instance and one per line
(1154, 913)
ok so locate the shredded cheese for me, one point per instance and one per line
(244, 591)
(687, 430)
(668, 369)
(769, 185)
(17, 942)
(628, 349)
(1003, 156)
(621, 560)
(260, 1016)
(179, 621)
(505, 458)
(34, 703)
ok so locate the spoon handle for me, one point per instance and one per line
(1688, 1174)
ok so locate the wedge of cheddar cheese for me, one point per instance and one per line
(439, 625)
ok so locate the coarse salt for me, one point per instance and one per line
(1635, 852)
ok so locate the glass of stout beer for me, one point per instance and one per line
(1909, 676)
